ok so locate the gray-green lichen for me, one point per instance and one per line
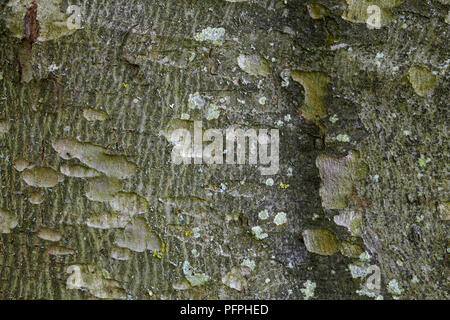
(213, 35)
(195, 278)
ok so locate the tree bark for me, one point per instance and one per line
(92, 205)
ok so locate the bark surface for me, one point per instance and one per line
(92, 206)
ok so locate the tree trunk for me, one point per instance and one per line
(93, 205)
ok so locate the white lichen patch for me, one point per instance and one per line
(49, 234)
(262, 100)
(196, 232)
(269, 182)
(36, 198)
(8, 221)
(394, 288)
(258, 233)
(343, 138)
(334, 118)
(138, 236)
(195, 278)
(92, 278)
(249, 264)
(95, 157)
(357, 271)
(263, 215)
(196, 101)
(78, 171)
(213, 112)
(365, 257)
(95, 115)
(53, 23)
(280, 218)
(42, 177)
(254, 64)
(308, 289)
(423, 161)
(214, 35)
(185, 116)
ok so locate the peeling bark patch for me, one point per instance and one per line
(237, 278)
(95, 115)
(315, 85)
(60, 251)
(95, 157)
(21, 164)
(91, 278)
(321, 241)
(421, 79)
(8, 221)
(349, 249)
(5, 125)
(351, 219)
(360, 11)
(138, 237)
(338, 176)
(129, 203)
(24, 57)
(121, 254)
(36, 198)
(43, 19)
(444, 211)
(182, 284)
(42, 177)
(254, 64)
(107, 220)
(49, 234)
(102, 188)
(317, 10)
(78, 171)
(31, 34)
(31, 23)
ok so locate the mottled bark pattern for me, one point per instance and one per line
(83, 114)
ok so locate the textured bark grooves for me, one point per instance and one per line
(92, 205)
